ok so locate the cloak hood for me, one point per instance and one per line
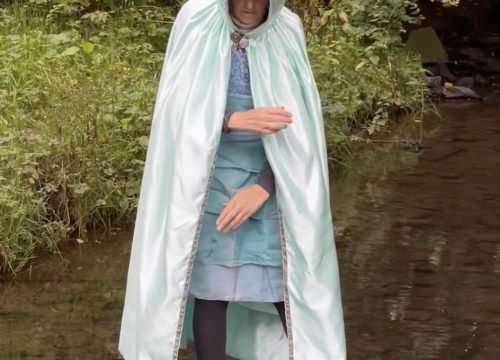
(183, 143)
(275, 7)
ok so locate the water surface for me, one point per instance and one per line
(418, 240)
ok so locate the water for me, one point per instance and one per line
(419, 243)
(418, 239)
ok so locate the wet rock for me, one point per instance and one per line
(479, 80)
(444, 70)
(426, 42)
(434, 87)
(433, 82)
(460, 92)
(467, 81)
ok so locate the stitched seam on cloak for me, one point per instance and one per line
(285, 287)
(194, 247)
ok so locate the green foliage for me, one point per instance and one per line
(363, 71)
(75, 110)
(77, 83)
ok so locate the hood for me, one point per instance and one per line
(275, 7)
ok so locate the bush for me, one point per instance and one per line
(77, 85)
(363, 70)
(75, 106)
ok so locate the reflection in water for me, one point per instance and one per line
(418, 239)
(418, 242)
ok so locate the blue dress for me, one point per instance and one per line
(244, 264)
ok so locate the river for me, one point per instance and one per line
(418, 241)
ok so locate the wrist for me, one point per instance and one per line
(261, 190)
(234, 120)
(225, 125)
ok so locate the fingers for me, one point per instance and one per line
(236, 211)
(240, 207)
(268, 120)
(276, 126)
(276, 118)
(225, 216)
(280, 114)
(231, 220)
(237, 221)
(272, 127)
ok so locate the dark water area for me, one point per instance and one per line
(419, 243)
(418, 240)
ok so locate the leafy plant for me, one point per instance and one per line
(363, 70)
(75, 106)
(77, 83)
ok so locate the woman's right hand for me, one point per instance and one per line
(264, 120)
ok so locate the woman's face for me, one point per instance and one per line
(248, 12)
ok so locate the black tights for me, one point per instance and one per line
(209, 327)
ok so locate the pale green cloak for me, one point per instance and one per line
(183, 144)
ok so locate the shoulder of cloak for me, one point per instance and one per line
(183, 24)
(292, 23)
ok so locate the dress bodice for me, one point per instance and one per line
(239, 94)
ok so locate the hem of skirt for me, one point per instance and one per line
(241, 263)
(231, 299)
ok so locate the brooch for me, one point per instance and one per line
(239, 41)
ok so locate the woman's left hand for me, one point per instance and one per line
(241, 206)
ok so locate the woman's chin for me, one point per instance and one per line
(248, 20)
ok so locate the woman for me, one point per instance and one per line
(234, 217)
(245, 264)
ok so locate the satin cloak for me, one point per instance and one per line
(183, 143)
